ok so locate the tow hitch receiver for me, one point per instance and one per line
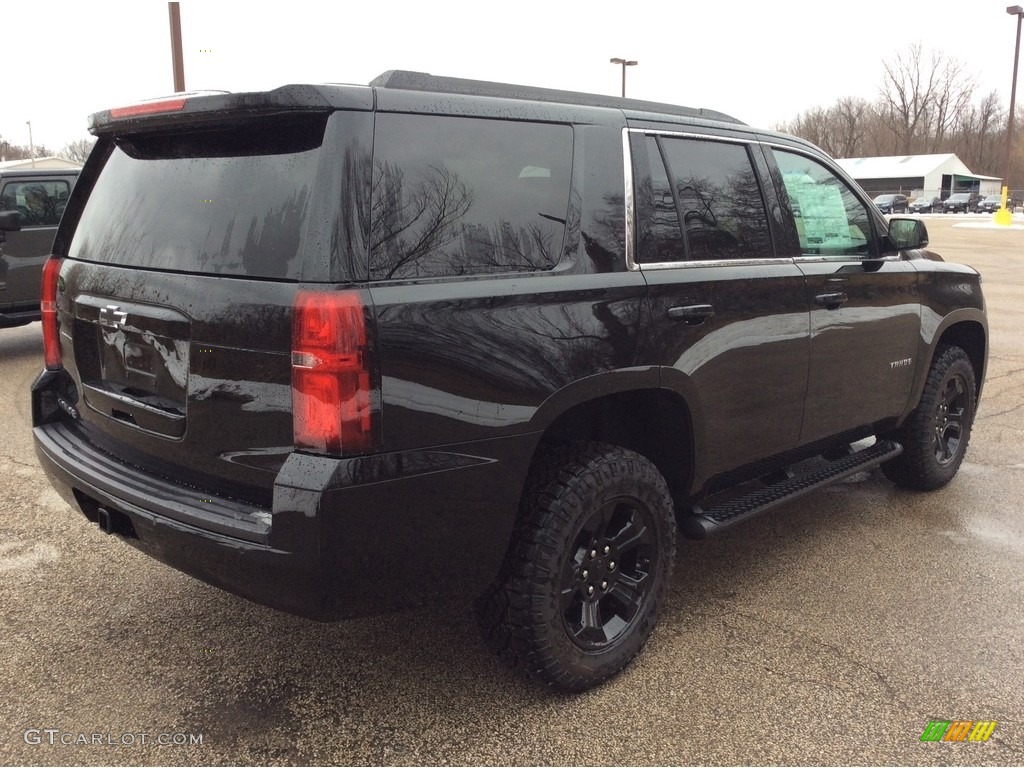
(112, 521)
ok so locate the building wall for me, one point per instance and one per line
(44, 163)
(905, 186)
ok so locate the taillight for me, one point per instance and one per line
(48, 306)
(148, 108)
(332, 409)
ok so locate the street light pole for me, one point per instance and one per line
(625, 63)
(1013, 10)
(31, 146)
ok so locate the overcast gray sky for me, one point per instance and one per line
(763, 61)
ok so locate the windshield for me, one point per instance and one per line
(214, 201)
(885, 198)
(957, 198)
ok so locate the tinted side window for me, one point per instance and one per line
(661, 240)
(40, 203)
(461, 196)
(830, 220)
(718, 198)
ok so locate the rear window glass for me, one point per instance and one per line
(458, 196)
(224, 201)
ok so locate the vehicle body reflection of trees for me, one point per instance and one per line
(422, 228)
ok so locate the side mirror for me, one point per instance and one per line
(907, 234)
(10, 221)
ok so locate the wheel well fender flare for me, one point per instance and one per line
(966, 328)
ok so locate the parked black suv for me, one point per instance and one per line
(891, 203)
(335, 348)
(993, 203)
(33, 201)
(962, 202)
(929, 204)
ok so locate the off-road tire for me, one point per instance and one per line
(935, 435)
(588, 569)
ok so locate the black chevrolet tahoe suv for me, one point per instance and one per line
(31, 203)
(340, 348)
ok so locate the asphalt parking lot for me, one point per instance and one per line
(832, 630)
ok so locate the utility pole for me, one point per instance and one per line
(177, 61)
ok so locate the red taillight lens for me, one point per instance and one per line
(148, 108)
(48, 306)
(332, 409)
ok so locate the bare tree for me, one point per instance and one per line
(953, 94)
(849, 117)
(979, 132)
(904, 97)
(78, 150)
(840, 129)
(10, 151)
(920, 99)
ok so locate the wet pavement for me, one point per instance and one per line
(831, 630)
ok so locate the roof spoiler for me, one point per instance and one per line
(202, 106)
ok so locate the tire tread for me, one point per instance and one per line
(509, 612)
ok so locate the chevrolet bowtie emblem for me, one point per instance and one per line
(112, 316)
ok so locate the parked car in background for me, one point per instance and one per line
(928, 204)
(891, 203)
(38, 197)
(962, 202)
(993, 203)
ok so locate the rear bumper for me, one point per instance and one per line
(345, 537)
(218, 541)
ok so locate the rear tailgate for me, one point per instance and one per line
(175, 296)
(187, 376)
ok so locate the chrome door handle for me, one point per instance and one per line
(831, 300)
(695, 314)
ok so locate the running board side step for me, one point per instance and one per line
(703, 522)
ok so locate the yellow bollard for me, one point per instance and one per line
(1003, 217)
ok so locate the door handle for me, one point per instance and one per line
(695, 314)
(831, 300)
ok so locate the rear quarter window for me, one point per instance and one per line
(229, 201)
(463, 196)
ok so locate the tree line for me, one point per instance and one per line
(75, 151)
(926, 104)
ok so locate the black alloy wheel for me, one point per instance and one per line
(607, 575)
(949, 419)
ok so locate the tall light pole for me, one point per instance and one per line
(1005, 218)
(31, 146)
(625, 63)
